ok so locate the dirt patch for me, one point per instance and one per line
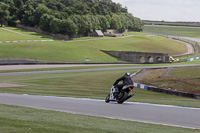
(141, 75)
(10, 85)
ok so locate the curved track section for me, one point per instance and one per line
(141, 112)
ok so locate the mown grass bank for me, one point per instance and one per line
(25, 120)
(30, 33)
(11, 36)
(78, 52)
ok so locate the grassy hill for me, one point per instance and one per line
(193, 32)
(78, 51)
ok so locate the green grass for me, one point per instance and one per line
(10, 36)
(60, 51)
(34, 34)
(176, 31)
(95, 85)
(140, 44)
(189, 78)
(192, 72)
(73, 52)
(25, 120)
(185, 79)
(57, 51)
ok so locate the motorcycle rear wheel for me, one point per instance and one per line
(122, 97)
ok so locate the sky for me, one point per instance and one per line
(167, 10)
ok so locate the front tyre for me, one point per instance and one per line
(107, 100)
(122, 97)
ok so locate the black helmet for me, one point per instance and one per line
(127, 74)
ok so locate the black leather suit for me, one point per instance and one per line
(126, 81)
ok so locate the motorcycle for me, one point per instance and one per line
(120, 97)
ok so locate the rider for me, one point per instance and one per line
(126, 81)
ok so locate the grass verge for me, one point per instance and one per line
(185, 79)
(26, 120)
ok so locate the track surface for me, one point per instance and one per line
(87, 70)
(148, 113)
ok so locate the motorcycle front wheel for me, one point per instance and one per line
(107, 100)
(122, 97)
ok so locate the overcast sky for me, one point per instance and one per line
(167, 10)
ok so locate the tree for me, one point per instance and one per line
(80, 23)
(88, 23)
(104, 23)
(71, 27)
(83, 15)
(116, 22)
(68, 27)
(55, 25)
(28, 16)
(45, 22)
(4, 13)
(40, 10)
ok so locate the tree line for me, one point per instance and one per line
(70, 17)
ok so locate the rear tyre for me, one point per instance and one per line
(107, 100)
(122, 97)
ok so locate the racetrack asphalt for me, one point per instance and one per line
(87, 70)
(142, 112)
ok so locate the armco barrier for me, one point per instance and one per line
(171, 92)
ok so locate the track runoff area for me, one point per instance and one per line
(132, 111)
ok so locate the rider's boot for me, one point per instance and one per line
(130, 96)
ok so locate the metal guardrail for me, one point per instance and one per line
(10, 61)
